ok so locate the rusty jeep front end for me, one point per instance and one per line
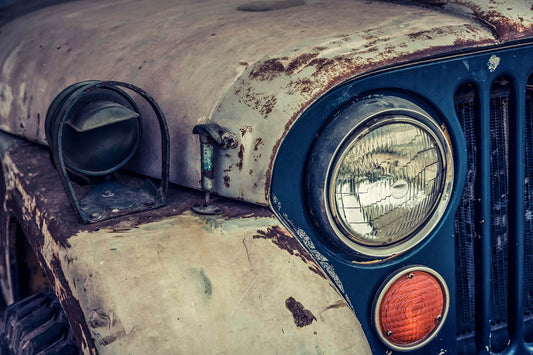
(267, 106)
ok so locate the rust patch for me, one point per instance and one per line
(321, 63)
(268, 106)
(267, 70)
(272, 68)
(245, 129)
(299, 62)
(504, 26)
(302, 317)
(290, 244)
(257, 101)
(226, 181)
(241, 157)
(258, 142)
(301, 86)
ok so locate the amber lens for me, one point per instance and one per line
(411, 308)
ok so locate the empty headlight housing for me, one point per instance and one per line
(380, 175)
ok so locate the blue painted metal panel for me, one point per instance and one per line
(430, 84)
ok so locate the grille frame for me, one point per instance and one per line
(434, 83)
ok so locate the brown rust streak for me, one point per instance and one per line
(257, 101)
(245, 129)
(272, 68)
(338, 304)
(241, 157)
(352, 68)
(268, 70)
(268, 105)
(290, 244)
(258, 142)
(505, 28)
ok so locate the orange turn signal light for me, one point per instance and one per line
(410, 308)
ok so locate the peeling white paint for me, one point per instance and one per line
(493, 63)
(191, 284)
(306, 240)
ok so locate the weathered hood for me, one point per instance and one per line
(251, 72)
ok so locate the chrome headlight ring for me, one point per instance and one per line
(380, 176)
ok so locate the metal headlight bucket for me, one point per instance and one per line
(380, 176)
(93, 129)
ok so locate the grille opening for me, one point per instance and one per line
(465, 226)
(468, 214)
(499, 171)
(528, 208)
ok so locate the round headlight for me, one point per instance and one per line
(386, 180)
(388, 174)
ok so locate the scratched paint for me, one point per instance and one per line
(180, 283)
(209, 62)
(220, 291)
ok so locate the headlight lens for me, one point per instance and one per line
(380, 176)
(386, 180)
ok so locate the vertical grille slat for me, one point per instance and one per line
(494, 222)
(499, 187)
(483, 243)
(528, 213)
(465, 225)
(517, 213)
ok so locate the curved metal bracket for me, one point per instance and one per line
(107, 197)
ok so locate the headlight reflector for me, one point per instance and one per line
(387, 181)
(380, 176)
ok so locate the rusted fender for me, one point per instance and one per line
(251, 72)
(194, 285)
(171, 282)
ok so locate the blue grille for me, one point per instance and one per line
(468, 250)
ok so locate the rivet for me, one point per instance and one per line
(411, 275)
(108, 193)
(95, 215)
(389, 333)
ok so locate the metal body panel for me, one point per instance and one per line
(290, 201)
(253, 73)
(170, 281)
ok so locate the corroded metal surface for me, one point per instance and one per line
(169, 281)
(250, 72)
(509, 20)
